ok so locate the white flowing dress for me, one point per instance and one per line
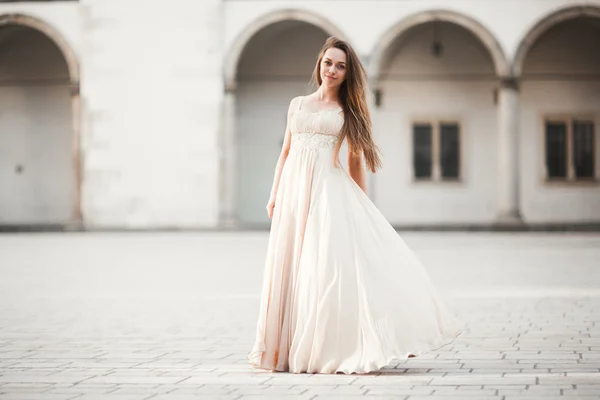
(342, 292)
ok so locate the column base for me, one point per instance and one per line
(509, 220)
(228, 222)
(74, 226)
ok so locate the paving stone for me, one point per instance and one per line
(573, 379)
(16, 385)
(38, 364)
(540, 393)
(205, 390)
(174, 396)
(226, 380)
(110, 396)
(534, 397)
(392, 380)
(573, 370)
(373, 397)
(580, 392)
(483, 371)
(399, 390)
(483, 380)
(349, 390)
(157, 380)
(271, 391)
(19, 378)
(589, 386)
(463, 391)
(450, 397)
(507, 387)
(276, 397)
(38, 396)
(25, 389)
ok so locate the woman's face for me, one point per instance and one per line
(333, 67)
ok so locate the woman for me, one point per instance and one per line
(341, 291)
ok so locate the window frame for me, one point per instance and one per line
(436, 147)
(568, 119)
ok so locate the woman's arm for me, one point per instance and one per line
(356, 169)
(285, 150)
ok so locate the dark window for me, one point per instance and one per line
(556, 149)
(450, 151)
(583, 149)
(422, 150)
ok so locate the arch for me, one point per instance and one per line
(501, 64)
(71, 60)
(235, 52)
(545, 23)
(50, 32)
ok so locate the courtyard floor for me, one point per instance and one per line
(170, 316)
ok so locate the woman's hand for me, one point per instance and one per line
(270, 207)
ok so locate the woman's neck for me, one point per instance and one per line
(328, 95)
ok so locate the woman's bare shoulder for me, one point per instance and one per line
(295, 103)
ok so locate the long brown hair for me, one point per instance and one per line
(357, 128)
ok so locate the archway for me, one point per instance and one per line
(544, 25)
(270, 63)
(487, 39)
(39, 147)
(234, 54)
(436, 78)
(558, 65)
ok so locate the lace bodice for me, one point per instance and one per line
(315, 129)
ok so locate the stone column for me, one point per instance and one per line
(508, 153)
(228, 161)
(373, 108)
(76, 222)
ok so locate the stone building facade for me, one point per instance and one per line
(134, 114)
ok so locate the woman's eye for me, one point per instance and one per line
(327, 62)
(342, 66)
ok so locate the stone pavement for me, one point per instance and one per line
(172, 316)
